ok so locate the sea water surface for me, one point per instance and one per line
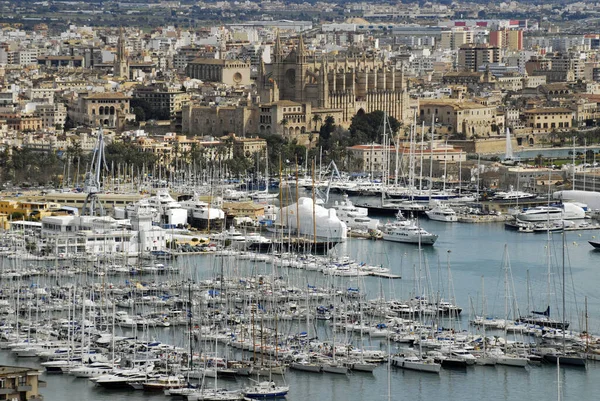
(469, 252)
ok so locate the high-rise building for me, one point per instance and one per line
(472, 56)
(507, 39)
(455, 38)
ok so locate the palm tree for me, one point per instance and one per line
(539, 159)
(316, 119)
(284, 123)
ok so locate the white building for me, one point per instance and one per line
(99, 235)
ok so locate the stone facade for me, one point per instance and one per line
(457, 116)
(348, 86)
(101, 109)
(229, 72)
(219, 120)
(297, 87)
(544, 120)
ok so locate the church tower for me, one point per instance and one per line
(301, 67)
(121, 67)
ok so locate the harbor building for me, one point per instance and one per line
(93, 234)
(27, 208)
(20, 383)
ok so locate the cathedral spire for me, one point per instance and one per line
(278, 48)
(301, 51)
(301, 48)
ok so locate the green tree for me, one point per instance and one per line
(367, 128)
(316, 118)
(140, 113)
(325, 132)
(284, 123)
(539, 159)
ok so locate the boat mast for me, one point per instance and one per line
(297, 206)
(563, 284)
(191, 362)
(431, 156)
(478, 174)
(587, 334)
(396, 145)
(460, 173)
(314, 211)
(505, 297)
(421, 166)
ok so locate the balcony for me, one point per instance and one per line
(5, 390)
(24, 388)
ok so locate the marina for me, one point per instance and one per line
(451, 258)
(171, 296)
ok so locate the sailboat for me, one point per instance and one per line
(333, 366)
(482, 357)
(509, 159)
(265, 195)
(566, 356)
(501, 356)
(411, 361)
(266, 389)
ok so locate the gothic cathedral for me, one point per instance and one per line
(345, 86)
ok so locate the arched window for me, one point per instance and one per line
(112, 110)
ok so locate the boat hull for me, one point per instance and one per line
(341, 370)
(114, 385)
(306, 367)
(508, 361)
(425, 239)
(417, 366)
(566, 360)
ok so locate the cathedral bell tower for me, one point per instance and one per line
(121, 67)
(301, 68)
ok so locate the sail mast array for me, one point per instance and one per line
(92, 205)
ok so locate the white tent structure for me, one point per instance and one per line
(299, 218)
(590, 198)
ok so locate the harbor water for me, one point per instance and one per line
(453, 268)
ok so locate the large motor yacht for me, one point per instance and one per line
(408, 232)
(567, 211)
(441, 212)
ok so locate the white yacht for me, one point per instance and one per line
(202, 215)
(408, 232)
(231, 235)
(413, 362)
(367, 188)
(137, 209)
(567, 211)
(170, 211)
(235, 195)
(512, 195)
(354, 217)
(441, 212)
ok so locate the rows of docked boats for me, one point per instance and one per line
(86, 339)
